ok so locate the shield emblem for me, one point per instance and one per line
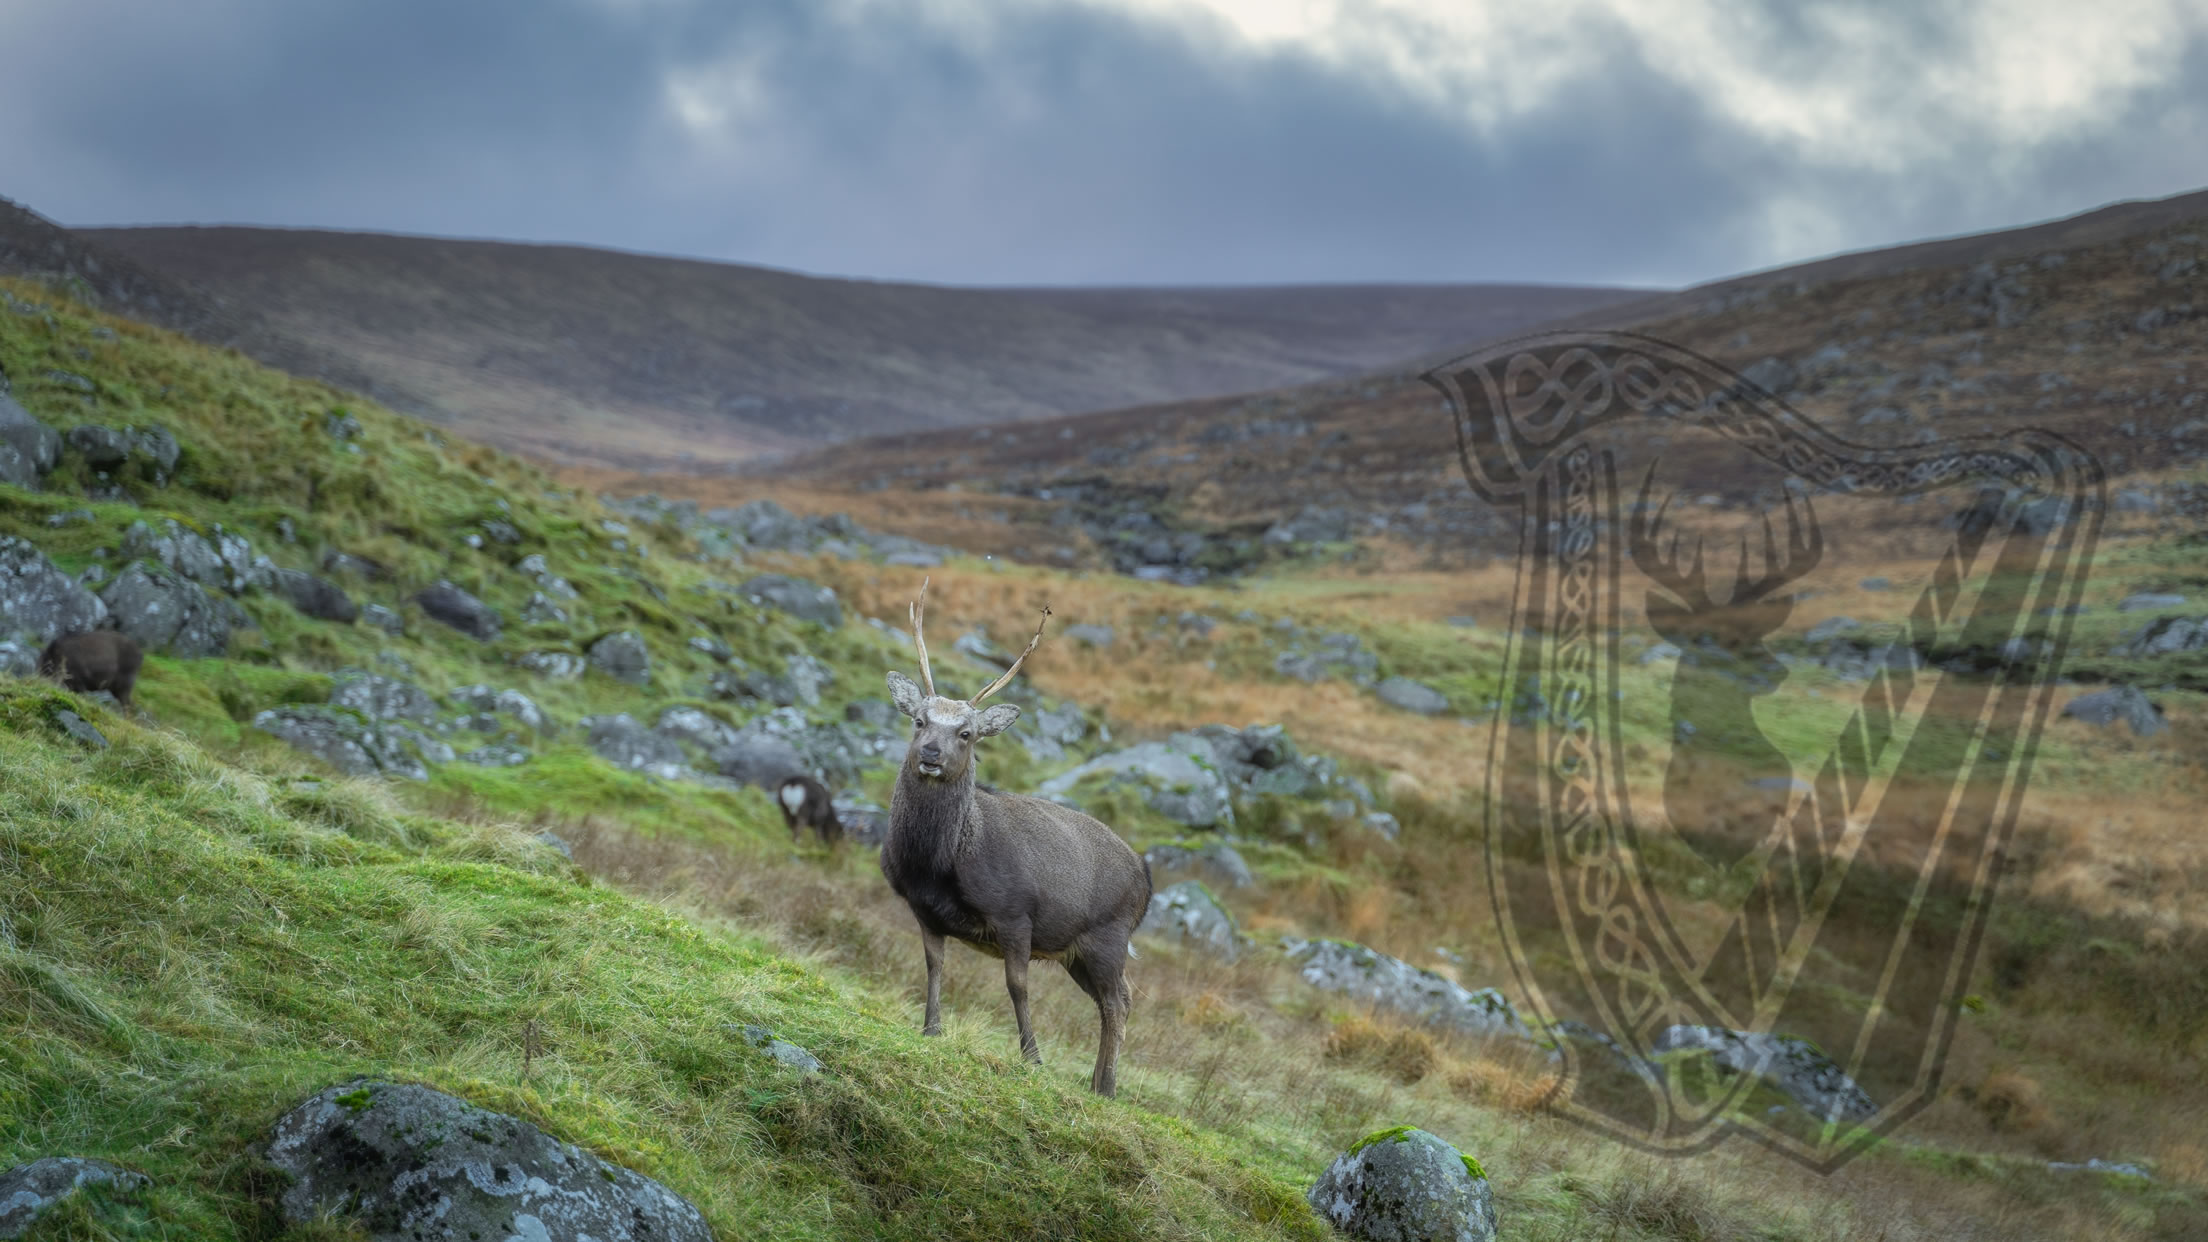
(1680, 858)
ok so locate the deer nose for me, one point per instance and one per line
(931, 752)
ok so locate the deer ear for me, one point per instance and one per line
(905, 693)
(995, 720)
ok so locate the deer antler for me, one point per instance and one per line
(916, 610)
(1001, 682)
(1661, 564)
(1801, 556)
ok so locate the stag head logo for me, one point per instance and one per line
(1797, 906)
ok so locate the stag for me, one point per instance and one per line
(94, 660)
(1708, 698)
(1016, 877)
(806, 803)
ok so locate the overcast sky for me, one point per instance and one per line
(1114, 141)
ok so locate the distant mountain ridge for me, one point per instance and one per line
(600, 357)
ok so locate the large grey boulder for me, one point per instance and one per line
(760, 758)
(695, 727)
(28, 1191)
(2126, 703)
(1052, 729)
(39, 600)
(487, 700)
(1406, 1185)
(1187, 914)
(346, 742)
(807, 601)
(102, 448)
(410, 1164)
(464, 612)
(1371, 976)
(28, 447)
(165, 612)
(1794, 1066)
(177, 547)
(382, 698)
(315, 597)
(1182, 781)
(2167, 636)
(1217, 862)
(623, 656)
(1412, 696)
(623, 741)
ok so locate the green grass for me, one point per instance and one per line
(190, 948)
(198, 929)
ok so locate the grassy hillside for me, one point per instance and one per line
(600, 357)
(202, 927)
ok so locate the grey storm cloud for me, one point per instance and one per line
(1119, 141)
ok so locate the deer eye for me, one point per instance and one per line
(966, 734)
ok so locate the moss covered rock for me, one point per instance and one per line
(1406, 1185)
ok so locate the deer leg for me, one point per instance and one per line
(1106, 981)
(1016, 942)
(931, 944)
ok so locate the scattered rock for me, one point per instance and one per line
(807, 601)
(382, 698)
(2149, 601)
(712, 648)
(28, 1191)
(1090, 635)
(1375, 978)
(1184, 786)
(79, 728)
(2126, 703)
(2167, 636)
(556, 841)
(1187, 913)
(557, 665)
(1794, 1066)
(407, 1162)
(164, 612)
(316, 597)
(1773, 375)
(1406, 1185)
(1218, 861)
(623, 656)
(2094, 1165)
(344, 741)
(102, 448)
(1383, 823)
(39, 600)
(761, 759)
(29, 449)
(501, 755)
(782, 1050)
(1412, 696)
(336, 562)
(383, 619)
(624, 742)
(464, 612)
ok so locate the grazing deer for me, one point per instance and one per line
(94, 660)
(806, 804)
(1016, 877)
(1714, 700)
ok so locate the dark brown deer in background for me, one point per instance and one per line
(94, 660)
(1711, 692)
(806, 804)
(1016, 877)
